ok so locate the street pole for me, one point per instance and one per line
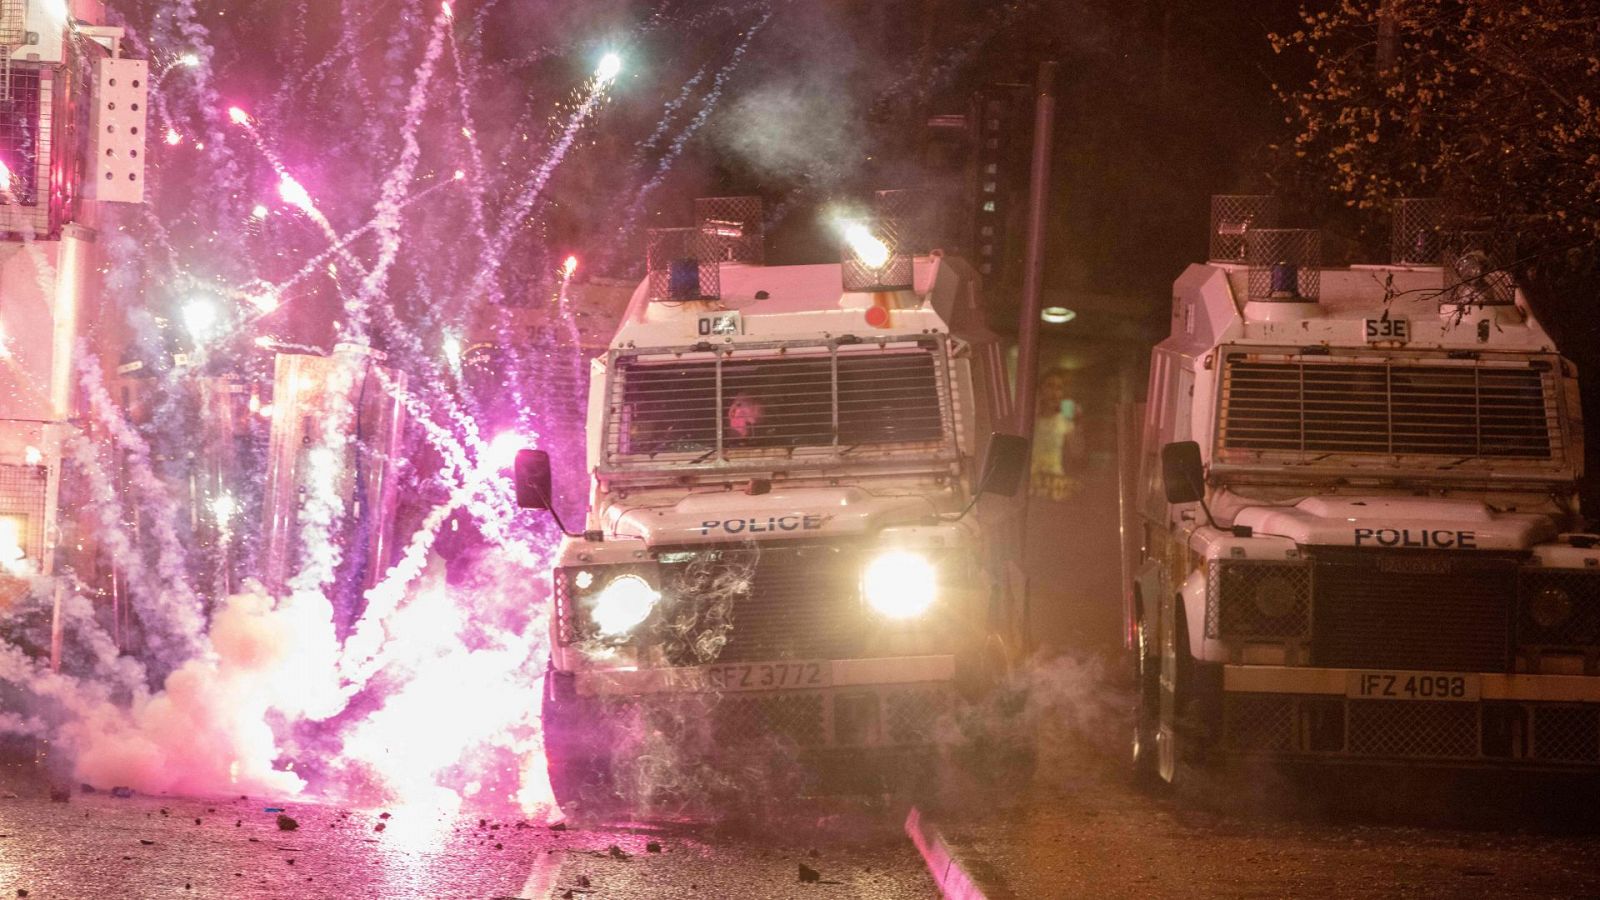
(1044, 120)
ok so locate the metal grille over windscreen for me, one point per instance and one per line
(1285, 406)
(814, 403)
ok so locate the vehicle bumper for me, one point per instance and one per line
(868, 703)
(1534, 721)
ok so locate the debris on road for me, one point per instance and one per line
(60, 794)
(272, 809)
(558, 826)
(146, 842)
(86, 788)
(287, 823)
(616, 852)
(379, 827)
(122, 793)
(383, 815)
(652, 847)
(809, 875)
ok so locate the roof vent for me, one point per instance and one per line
(1285, 264)
(734, 226)
(1232, 216)
(682, 265)
(1415, 239)
(1477, 268)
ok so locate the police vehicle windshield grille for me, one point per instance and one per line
(1310, 408)
(780, 403)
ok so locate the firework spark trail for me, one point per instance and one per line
(270, 294)
(179, 605)
(179, 26)
(475, 487)
(353, 14)
(668, 113)
(494, 252)
(481, 478)
(112, 531)
(469, 134)
(392, 197)
(707, 104)
(324, 506)
(359, 660)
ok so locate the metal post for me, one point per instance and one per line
(1044, 120)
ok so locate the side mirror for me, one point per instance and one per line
(1005, 461)
(532, 477)
(1182, 473)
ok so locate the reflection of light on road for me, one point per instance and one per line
(414, 836)
(421, 827)
(542, 880)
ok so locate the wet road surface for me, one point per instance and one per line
(1087, 833)
(1080, 831)
(97, 846)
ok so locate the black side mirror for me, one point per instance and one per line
(1005, 461)
(1182, 473)
(532, 477)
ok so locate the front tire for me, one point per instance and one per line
(578, 763)
(1144, 755)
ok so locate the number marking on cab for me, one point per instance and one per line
(1388, 329)
(1374, 685)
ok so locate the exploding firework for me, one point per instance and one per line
(372, 186)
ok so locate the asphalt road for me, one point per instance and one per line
(1080, 830)
(99, 846)
(1085, 832)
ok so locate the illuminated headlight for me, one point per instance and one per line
(1551, 607)
(622, 604)
(900, 584)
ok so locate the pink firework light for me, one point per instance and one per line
(238, 116)
(502, 451)
(570, 267)
(5, 178)
(294, 193)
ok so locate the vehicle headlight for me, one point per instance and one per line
(900, 584)
(1550, 607)
(1276, 596)
(622, 604)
